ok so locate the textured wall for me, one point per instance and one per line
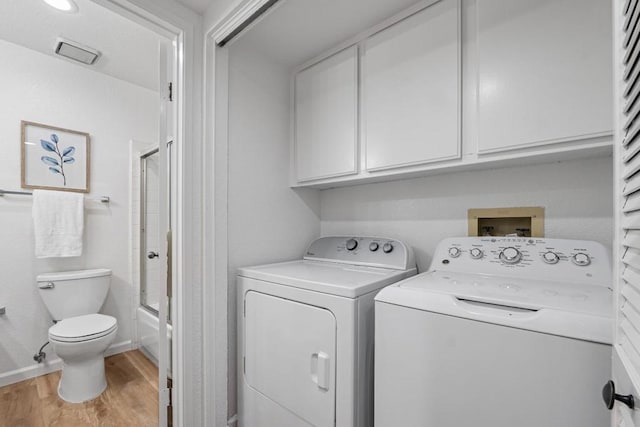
(268, 221)
(56, 92)
(577, 197)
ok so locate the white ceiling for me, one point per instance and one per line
(199, 6)
(129, 50)
(298, 30)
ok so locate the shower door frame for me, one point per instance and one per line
(143, 229)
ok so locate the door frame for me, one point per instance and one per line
(184, 27)
(217, 382)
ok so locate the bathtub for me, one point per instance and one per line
(148, 326)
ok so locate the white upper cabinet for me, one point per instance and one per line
(533, 79)
(544, 72)
(411, 90)
(325, 109)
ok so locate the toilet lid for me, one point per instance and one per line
(83, 328)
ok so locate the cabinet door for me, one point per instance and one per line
(326, 102)
(545, 72)
(411, 92)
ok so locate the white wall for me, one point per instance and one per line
(56, 92)
(268, 221)
(577, 197)
(218, 10)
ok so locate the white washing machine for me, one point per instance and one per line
(305, 333)
(500, 332)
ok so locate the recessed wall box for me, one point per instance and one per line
(520, 221)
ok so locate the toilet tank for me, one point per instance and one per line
(74, 293)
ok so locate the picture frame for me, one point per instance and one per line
(54, 158)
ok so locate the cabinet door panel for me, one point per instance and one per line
(326, 100)
(412, 89)
(545, 72)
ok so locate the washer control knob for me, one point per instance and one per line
(387, 247)
(550, 257)
(454, 252)
(352, 244)
(476, 253)
(581, 259)
(373, 246)
(510, 255)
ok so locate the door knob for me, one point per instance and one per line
(609, 396)
(152, 255)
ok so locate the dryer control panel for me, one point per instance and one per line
(528, 257)
(370, 251)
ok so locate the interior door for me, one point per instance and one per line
(290, 354)
(626, 348)
(166, 127)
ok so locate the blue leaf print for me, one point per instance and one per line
(49, 161)
(56, 165)
(48, 146)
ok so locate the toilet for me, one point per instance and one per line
(80, 336)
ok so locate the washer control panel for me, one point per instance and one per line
(370, 251)
(530, 257)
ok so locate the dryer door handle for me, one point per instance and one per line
(320, 367)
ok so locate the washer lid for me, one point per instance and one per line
(559, 308)
(345, 280)
(83, 328)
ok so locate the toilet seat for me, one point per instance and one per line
(83, 328)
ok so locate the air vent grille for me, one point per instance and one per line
(76, 52)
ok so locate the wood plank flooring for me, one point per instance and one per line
(131, 398)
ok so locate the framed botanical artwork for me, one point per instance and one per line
(54, 158)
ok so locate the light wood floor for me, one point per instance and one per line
(131, 398)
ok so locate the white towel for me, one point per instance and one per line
(58, 223)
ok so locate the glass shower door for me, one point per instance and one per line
(150, 278)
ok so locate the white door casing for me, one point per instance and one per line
(164, 239)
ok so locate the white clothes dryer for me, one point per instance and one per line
(500, 332)
(305, 333)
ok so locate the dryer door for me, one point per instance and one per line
(290, 355)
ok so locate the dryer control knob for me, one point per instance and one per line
(550, 257)
(581, 259)
(476, 253)
(373, 246)
(454, 252)
(352, 244)
(387, 247)
(510, 255)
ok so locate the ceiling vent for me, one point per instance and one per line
(76, 51)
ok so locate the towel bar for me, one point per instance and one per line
(101, 199)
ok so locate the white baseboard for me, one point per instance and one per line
(120, 347)
(52, 365)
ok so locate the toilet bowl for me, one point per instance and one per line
(81, 342)
(80, 336)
